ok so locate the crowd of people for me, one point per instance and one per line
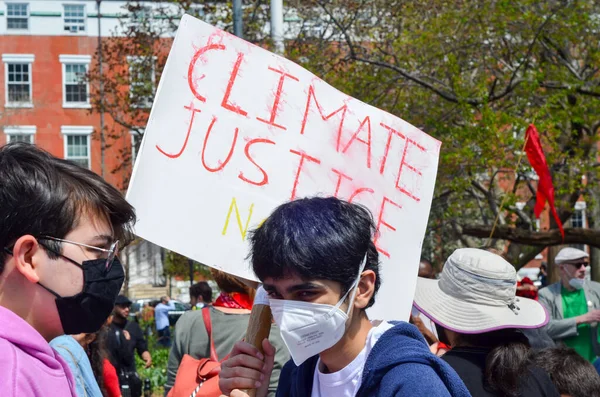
(475, 329)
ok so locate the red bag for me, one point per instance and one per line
(199, 378)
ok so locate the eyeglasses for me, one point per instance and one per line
(111, 252)
(578, 265)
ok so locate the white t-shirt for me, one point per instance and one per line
(346, 382)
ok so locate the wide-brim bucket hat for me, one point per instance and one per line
(476, 293)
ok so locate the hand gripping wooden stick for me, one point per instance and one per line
(259, 325)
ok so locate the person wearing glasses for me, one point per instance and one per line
(574, 305)
(60, 227)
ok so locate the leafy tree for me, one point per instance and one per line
(179, 266)
(474, 75)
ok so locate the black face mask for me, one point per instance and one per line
(87, 311)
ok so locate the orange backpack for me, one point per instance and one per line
(199, 378)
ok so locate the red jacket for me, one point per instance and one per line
(111, 380)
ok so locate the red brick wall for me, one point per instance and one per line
(48, 114)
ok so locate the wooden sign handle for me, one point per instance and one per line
(259, 328)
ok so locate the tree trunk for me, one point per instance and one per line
(593, 215)
(595, 263)
(551, 268)
(191, 265)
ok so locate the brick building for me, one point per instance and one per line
(47, 48)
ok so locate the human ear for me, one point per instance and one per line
(28, 255)
(365, 289)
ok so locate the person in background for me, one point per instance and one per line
(105, 372)
(320, 268)
(123, 339)
(574, 305)
(477, 313)
(147, 317)
(229, 318)
(60, 227)
(543, 276)
(161, 316)
(527, 289)
(72, 350)
(572, 375)
(200, 295)
(425, 325)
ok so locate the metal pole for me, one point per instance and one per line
(100, 71)
(238, 27)
(277, 26)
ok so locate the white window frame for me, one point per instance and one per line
(29, 130)
(28, 17)
(84, 31)
(77, 130)
(580, 206)
(79, 60)
(22, 59)
(133, 59)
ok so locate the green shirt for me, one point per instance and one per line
(575, 304)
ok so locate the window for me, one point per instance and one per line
(74, 16)
(21, 133)
(77, 150)
(77, 144)
(17, 16)
(75, 85)
(141, 81)
(578, 220)
(18, 79)
(19, 84)
(140, 14)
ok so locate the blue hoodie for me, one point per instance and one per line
(400, 364)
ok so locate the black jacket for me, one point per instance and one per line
(121, 350)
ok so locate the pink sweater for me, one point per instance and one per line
(28, 365)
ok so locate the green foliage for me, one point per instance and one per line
(473, 74)
(157, 373)
(178, 265)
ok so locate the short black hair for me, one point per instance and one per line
(316, 238)
(44, 195)
(571, 374)
(201, 289)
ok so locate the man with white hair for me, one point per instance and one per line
(573, 304)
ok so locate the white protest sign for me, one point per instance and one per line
(236, 131)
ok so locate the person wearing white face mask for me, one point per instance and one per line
(320, 268)
(574, 305)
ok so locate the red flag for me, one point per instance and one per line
(545, 189)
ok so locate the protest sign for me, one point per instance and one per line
(236, 131)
